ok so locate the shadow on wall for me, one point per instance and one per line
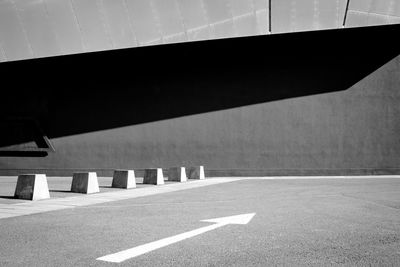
(82, 93)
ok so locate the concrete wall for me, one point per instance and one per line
(352, 131)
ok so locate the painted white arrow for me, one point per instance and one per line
(139, 250)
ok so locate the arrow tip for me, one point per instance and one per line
(236, 219)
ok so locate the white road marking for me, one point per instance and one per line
(139, 250)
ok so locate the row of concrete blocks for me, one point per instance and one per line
(35, 187)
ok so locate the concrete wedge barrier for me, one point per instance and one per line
(32, 187)
(85, 182)
(196, 172)
(153, 176)
(177, 174)
(124, 179)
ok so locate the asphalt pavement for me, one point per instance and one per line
(316, 222)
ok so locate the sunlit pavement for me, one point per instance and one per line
(296, 222)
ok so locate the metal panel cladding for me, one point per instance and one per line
(41, 28)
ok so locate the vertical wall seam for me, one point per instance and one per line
(2, 52)
(345, 13)
(205, 12)
(23, 29)
(230, 10)
(103, 17)
(182, 20)
(293, 16)
(270, 16)
(157, 20)
(54, 31)
(130, 23)
(78, 25)
(316, 15)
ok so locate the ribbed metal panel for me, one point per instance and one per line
(373, 12)
(40, 28)
(14, 39)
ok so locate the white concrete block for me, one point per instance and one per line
(32, 187)
(153, 176)
(177, 174)
(85, 182)
(196, 173)
(124, 179)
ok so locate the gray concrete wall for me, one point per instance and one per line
(345, 132)
(280, 104)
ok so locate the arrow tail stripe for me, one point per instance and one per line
(139, 250)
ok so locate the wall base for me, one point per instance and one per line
(219, 172)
